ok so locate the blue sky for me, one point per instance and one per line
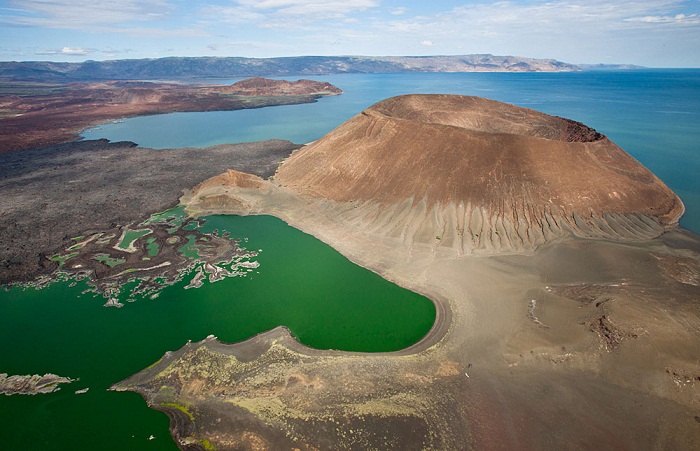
(655, 33)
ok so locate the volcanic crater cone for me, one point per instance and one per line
(478, 176)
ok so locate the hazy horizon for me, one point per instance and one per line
(651, 33)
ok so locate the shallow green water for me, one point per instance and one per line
(326, 301)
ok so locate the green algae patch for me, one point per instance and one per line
(174, 214)
(188, 250)
(109, 260)
(153, 365)
(61, 259)
(202, 442)
(129, 237)
(179, 407)
(192, 225)
(152, 247)
(174, 218)
(206, 444)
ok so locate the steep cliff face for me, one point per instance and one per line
(478, 176)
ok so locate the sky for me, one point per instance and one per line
(653, 33)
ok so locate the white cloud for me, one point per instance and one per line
(76, 13)
(230, 14)
(286, 13)
(551, 15)
(73, 51)
(683, 19)
(309, 7)
(639, 31)
(79, 51)
(66, 51)
(511, 24)
(120, 17)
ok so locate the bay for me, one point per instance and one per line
(654, 115)
(325, 300)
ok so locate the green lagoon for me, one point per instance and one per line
(325, 300)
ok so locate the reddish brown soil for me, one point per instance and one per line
(258, 86)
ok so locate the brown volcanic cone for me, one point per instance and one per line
(476, 174)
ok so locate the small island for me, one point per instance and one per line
(31, 384)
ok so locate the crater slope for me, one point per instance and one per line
(479, 176)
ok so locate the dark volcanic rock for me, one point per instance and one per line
(55, 193)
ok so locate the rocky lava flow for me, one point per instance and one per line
(31, 384)
(155, 254)
(53, 194)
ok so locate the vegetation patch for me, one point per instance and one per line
(179, 407)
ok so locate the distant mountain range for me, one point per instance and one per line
(214, 67)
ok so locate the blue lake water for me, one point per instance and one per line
(652, 114)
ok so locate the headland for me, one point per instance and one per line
(37, 115)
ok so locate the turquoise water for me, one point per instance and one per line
(652, 114)
(326, 301)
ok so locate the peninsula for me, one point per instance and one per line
(34, 115)
(566, 294)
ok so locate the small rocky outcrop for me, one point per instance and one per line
(259, 86)
(31, 384)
